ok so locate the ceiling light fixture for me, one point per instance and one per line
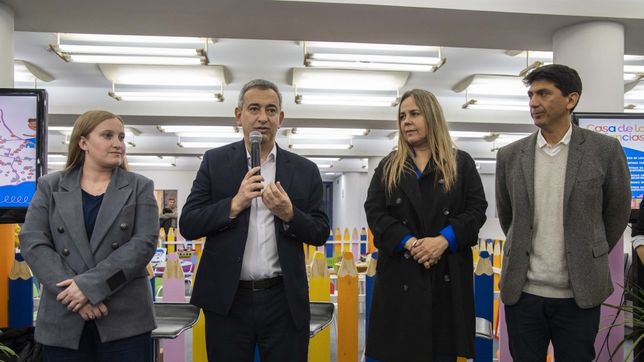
(130, 49)
(25, 72)
(335, 131)
(321, 146)
(198, 144)
(347, 100)
(372, 56)
(497, 106)
(197, 129)
(166, 96)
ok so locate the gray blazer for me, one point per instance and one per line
(109, 268)
(596, 210)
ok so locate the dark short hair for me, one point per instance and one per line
(261, 84)
(565, 78)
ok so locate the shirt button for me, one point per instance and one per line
(123, 226)
(398, 201)
(65, 252)
(445, 212)
(115, 245)
(405, 287)
(61, 229)
(404, 221)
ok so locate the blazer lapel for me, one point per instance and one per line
(284, 171)
(527, 167)
(69, 201)
(115, 197)
(575, 156)
(238, 162)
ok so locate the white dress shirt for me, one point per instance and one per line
(261, 260)
(552, 150)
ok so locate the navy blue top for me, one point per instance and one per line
(91, 205)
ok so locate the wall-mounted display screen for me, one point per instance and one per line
(628, 128)
(23, 129)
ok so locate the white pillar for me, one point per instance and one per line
(596, 51)
(6, 46)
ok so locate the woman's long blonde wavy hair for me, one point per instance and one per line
(441, 148)
(83, 126)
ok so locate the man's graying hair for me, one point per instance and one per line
(261, 84)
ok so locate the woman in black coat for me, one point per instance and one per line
(425, 206)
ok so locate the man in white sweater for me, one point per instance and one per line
(563, 199)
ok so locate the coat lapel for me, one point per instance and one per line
(575, 156)
(115, 197)
(69, 204)
(238, 163)
(409, 185)
(527, 167)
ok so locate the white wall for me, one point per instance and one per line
(172, 180)
(349, 195)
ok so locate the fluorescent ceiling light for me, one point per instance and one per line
(324, 159)
(160, 164)
(372, 56)
(191, 144)
(370, 66)
(124, 59)
(491, 84)
(321, 146)
(209, 135)
(67, 130)
(323, 165)
(127, 74)
(330, 173)
(370, 46)
(113, 49)
(468, 134)
(336, 131)
(167, 96)
(140, 39)
(307, 78)
(319, 137)
(56, 163)
(633, 68)
(499, 106)
(24, 71)
(197, 129)
(347, 100)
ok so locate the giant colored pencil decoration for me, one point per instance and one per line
(346, 241)
(328, 247)
(21, 294)
(347, 309)
(496, 266)
(370, 279)
(7, 254)
(483, 295)
(355, 243)
(320, 345)
(199, 330)
(172, 241)
(337, 244)
(476, 251)
(363, 241)
(174, 290)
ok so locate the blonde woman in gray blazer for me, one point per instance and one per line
(89, 233)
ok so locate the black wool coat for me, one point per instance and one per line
(417, 312)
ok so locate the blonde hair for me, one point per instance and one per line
(442, 152)
(83, 126)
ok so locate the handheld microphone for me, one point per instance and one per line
(255, 142)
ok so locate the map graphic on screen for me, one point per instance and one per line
(18, 129)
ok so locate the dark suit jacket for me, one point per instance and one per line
(206, 213)
(109, 268)
(416, 312)
(596, 209)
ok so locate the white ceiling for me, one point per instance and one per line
(245, 33)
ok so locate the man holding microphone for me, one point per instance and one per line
(251, 282)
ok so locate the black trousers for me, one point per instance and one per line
(91, 349)
(533, 322)
(258, 318)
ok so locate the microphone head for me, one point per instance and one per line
(255, 137)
